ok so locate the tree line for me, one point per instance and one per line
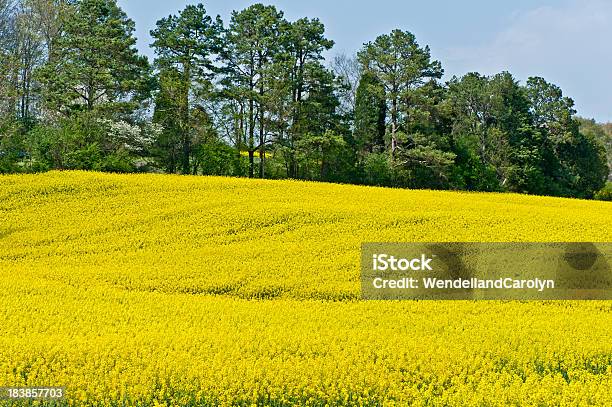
(255, 97)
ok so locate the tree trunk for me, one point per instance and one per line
(393, 127)
(296, 132)
(261, 132)
(251, 163)
(251, 125)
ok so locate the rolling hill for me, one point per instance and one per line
(172, 290)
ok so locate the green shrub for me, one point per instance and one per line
(606, 193)
(219, 158)
(378, 170)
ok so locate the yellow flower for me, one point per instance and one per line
(174, 291)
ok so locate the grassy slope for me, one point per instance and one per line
(102, 273)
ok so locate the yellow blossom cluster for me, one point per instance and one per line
(168, 290)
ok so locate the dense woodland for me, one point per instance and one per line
(254, 96)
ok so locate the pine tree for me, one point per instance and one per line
(370, 114)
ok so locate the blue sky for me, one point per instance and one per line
(569, 42)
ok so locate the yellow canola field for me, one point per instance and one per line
(170, 290)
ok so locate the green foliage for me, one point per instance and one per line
(218, 158)
(403, 67)
(589, 166)
(318, 113)
(186, 46)
(602, 133)
(83, 142)
(13, 152)
(94, 62)
(527, 134)
(256, 94)
(470, 173)
(118, 161)
(575, 162)
(605, 194)
(423, 164)
(320, 155)
(400, 63)
(188, 41)
(370, 114)
(254, 40)
(378, 169)
(277, 84)
(167, 147)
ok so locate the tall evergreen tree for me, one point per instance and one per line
(305, 47)
(254, 40)
(188, 45)
(370, 114)
(95, 63)
(403, 66)
(167, 147)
